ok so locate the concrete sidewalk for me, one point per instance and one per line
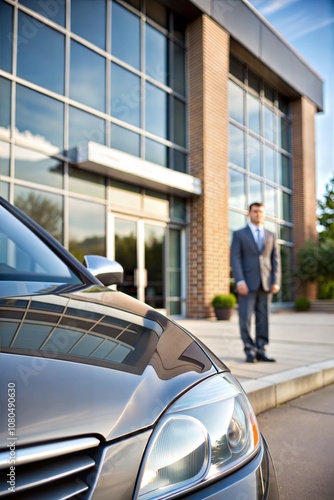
(301, 343)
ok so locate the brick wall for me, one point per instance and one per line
(304, 181)
(208, 252)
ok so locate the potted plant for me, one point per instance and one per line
(223, 305)
(302, 304)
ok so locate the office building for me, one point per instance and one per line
(142, 129)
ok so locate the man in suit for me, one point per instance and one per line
(256, 266)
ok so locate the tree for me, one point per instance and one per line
(326, 211)
(316, 260)
(43, 210)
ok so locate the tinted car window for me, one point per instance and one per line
(27, 264)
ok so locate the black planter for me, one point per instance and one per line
(223, 313)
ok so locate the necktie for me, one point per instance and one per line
(258, 239)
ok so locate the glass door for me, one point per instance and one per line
(155, 265)
(140, 249)
(126, 253)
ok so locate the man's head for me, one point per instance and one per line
(256, 213)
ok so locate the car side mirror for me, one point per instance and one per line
(109, 272)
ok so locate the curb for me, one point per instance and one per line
(273, 390)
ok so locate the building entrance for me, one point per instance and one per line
(140, 249)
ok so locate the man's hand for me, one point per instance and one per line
(242, 289)
(275, 288)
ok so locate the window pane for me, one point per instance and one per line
(237, 189)
(86, 183)
(236, 221)
(269, 93)
(254, 155)
(88, 20)
(125, 140)
(4, 190)
(125, 95)
(269, 163)
(55, 11)
(6, 30)
(180, 161)
(157, 12)
(44, 208)
(287, 276)
(286, 233)
(255, 191)
(179, 69)
(174, 308)
(236, 150)
(36, 167)
(125, 195)
(41, 61)
(236, 106)
(156, 203)
(87, 87)
(174, 255)
(135, 3)
(156, 111)
(154, 263)
(283, 134)
(179, 25)
(270, 201)
(178, 209)
(179, 123)
(253, 113)
(284, 171)
(87, 228)
(5, 93)
(254, 81)
(4, 158)
(269, 124)
(237, 69)
(125, 33)
(39, 118)
(156, 152)
(85, 127)
(156, 55)
(286, 206)
(271, 226)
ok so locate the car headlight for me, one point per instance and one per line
(208, 432)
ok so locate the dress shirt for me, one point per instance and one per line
(254, 229)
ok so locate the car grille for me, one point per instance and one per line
(60, 470)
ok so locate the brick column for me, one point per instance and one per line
(304, 182)
(208, 252)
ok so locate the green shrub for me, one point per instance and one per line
(224, 301)
(325, 289)
(302, 304)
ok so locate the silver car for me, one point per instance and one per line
(102, 397)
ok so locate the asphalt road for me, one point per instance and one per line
(300, 435)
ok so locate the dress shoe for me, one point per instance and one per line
(261, 356)
(250, 358)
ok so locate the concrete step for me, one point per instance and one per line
(322, 306)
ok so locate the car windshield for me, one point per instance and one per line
(27, 264)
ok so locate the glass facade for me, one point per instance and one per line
(114, 72)
(260, 159)
(107, 71)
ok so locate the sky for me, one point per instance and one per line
(308, 26)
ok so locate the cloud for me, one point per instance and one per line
(311, 28)
(270, 7)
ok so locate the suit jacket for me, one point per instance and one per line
(251, 266)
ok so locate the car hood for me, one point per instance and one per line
(94, 362)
